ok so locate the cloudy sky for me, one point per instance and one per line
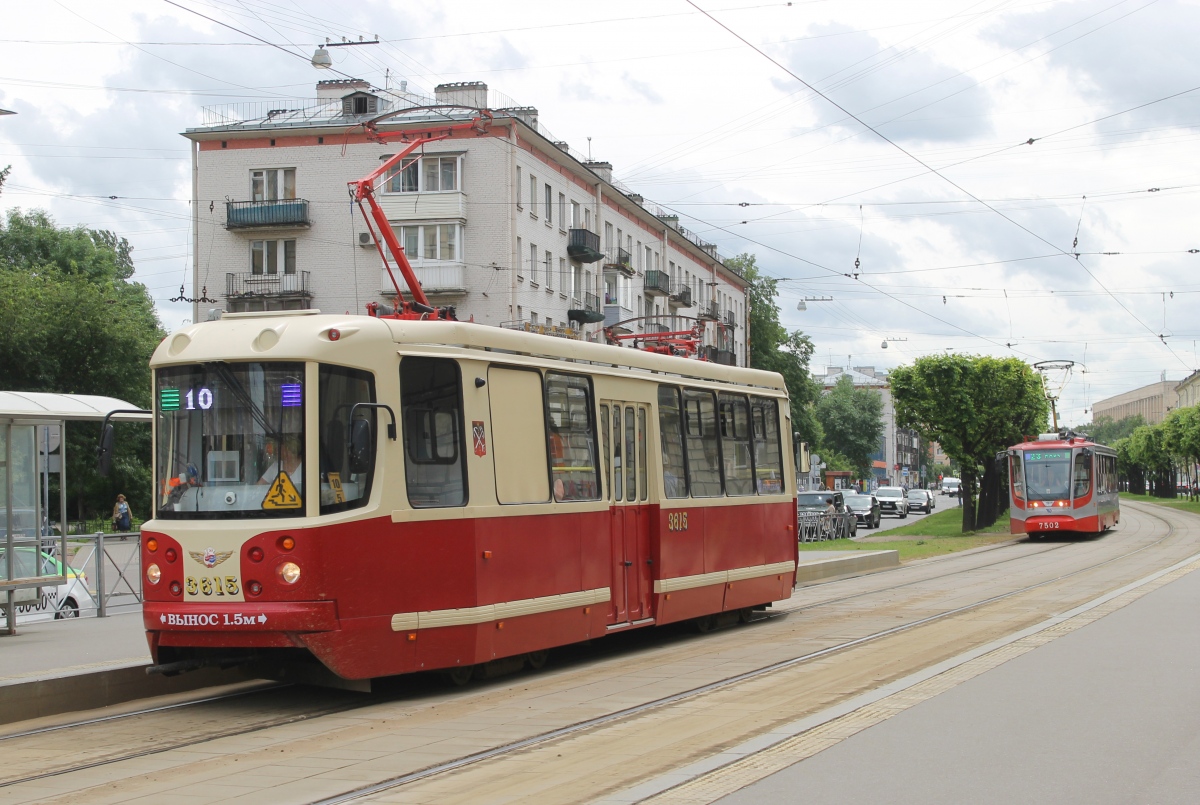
(819, 135)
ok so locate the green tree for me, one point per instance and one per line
(73, 323)
(1106, 430)
(852, 421)
(1181, 438)
(774, 349)
(1147, 449)
(973, 406)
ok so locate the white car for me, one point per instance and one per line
(892, 500)
(60, 601)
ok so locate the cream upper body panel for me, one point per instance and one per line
(365, 341)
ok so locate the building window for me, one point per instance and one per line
(519, 258)
(533, 195)
(562, 211)
(549, 199)
(273, 257)
(533, 262)
(548, 264)
(587, 218)
(564, 279)
(608, 236)
(272, 184)
(423, 175)
(575, 219)
(519, 188)
(430, 241)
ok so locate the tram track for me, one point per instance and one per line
(586, 724)
(728, 682)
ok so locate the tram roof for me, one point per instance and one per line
(306, 337)
(1058, 444)
(48, 407)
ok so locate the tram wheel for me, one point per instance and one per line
(745, 614)
(706, 624)
(461, 675)
(537, 659)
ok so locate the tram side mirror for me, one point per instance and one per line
(104, 451)
(362, 446)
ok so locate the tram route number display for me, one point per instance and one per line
(677, 521)
(212, 585)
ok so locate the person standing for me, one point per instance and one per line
(122, 519)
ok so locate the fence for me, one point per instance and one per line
(820, 527)
(111, 565)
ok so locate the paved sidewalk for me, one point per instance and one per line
(1109, 713)
(67, 647)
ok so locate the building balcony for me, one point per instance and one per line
(681, 298)
(710, 311)
(589, 313)
(436, 278)
(591, 302)
(730, 319)
(619, 260)
(583, 246)
(658, 283)
(239, 286)
(289, 213)
(616, 313)
(724, 357)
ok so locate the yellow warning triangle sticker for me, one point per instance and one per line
(282, 494)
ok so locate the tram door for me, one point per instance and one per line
(623, 437)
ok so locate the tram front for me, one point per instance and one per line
(1050, 483)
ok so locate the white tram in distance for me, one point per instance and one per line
(390, 495)
(1062, 483)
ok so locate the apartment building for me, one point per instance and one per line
(502, 220)
(1152, 402)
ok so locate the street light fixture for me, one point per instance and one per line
(801, 306)
(323, 61)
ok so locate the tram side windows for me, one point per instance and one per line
(670, 426)
(431, 413)
(571, 435)
(519, 443)
(735, 444)
(768, 456)
(340, 390)
(1082, 475)
(703, 450)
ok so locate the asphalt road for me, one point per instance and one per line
(941, 502)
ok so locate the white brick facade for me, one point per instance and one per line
(493, 220)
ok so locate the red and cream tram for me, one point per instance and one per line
(1062, 482)
(390, 495)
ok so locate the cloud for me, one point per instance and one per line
(887, 87)
(642, 88)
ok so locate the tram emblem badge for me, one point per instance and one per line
(479, 437)
(210, 558)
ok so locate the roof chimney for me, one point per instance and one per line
(472, 94)
(601, 169)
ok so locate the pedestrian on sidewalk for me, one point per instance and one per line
(122, 519)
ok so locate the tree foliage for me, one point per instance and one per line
(1106, 430)
(852, 421)
(73, 323)
(774, 349)
(973, 406)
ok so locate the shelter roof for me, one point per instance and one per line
(39, 405)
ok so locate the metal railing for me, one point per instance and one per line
(274, 212)
(583, 245)
(657, 283)
(591, 302)
(617, 258)
(711, 311)
(682, 296)
(250, 284)
(103, 571)
(821, 527)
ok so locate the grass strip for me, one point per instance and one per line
(1183, 504)
(936, 535)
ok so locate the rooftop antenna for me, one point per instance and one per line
(589, 149)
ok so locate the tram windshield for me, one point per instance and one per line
(230, 440)
(1048, 474)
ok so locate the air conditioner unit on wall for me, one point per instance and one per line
(364, 240)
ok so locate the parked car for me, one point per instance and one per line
(892, 500)
(818, 501)
(865, 509)
(950, 486)
(60, 601)
(920, 500)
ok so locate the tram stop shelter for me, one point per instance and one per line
(32, 448)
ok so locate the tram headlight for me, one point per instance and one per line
(153, 574)
(289, 572)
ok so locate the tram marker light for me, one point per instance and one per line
(152, 545)
(487, 554)
(287, 543)
(171, 555)
(256, 554)
(334, 334)
(176, 588)
(255, 588)
(412, 637)
(153, 574)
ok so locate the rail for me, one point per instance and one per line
(822, 526)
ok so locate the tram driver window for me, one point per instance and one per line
(340, 389)
(1082, 475)
(431, 413)
(703, 450)
(1015, 470)
(571, 437)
